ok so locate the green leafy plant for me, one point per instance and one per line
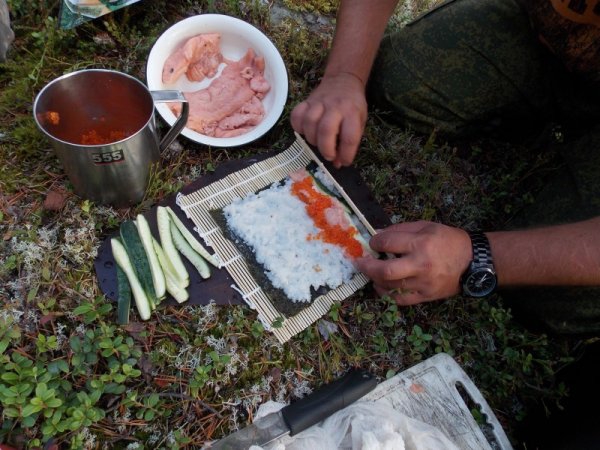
(419, 341)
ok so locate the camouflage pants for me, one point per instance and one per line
(475, 67)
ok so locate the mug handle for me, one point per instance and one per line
(172, 97)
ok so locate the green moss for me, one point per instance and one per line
(314, 6)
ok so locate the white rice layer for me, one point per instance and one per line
(274, 223)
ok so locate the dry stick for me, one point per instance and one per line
(187, 397)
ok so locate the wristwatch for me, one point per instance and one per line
(480, 278)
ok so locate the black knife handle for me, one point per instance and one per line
(327, 400)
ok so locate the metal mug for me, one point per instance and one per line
(102, 126)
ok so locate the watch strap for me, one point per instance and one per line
(482, 253)
(482, 265)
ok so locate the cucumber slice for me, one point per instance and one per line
(124, 300)
(166, 241)
(158, 277)
(325, 190)
(186, 250)
(123, 261)
(176, 290)
(137, 255)
(192, 241)
(178, 293)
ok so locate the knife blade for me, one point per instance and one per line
(302, 414)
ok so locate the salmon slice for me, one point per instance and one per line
(231, 104)
(198, 57)
(241, 121)
(205, 67)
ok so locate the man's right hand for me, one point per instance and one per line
(333, 117)
(431, 259)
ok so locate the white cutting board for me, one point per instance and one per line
(428, 392)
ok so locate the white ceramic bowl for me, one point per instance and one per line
(236, 37)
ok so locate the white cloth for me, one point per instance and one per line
(362, 426)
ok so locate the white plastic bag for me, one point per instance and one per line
(362, 426)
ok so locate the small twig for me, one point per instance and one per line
(187, 397)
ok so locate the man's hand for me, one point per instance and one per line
(333, 117)
(430, 261)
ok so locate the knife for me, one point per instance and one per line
(303, 413)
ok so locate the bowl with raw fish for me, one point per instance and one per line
(232, 75)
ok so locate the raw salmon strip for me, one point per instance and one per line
(198, 57)
(231, 104)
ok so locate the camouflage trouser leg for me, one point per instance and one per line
(468, 66)
(472, 67)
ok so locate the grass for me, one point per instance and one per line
(70, 376)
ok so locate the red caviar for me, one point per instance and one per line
(317, 204)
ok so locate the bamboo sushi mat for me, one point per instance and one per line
(221, 193)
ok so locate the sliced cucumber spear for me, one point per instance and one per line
(123, 261)
(166, 241)
(186, 250)
(192, 241)
(124, 300)
(158, 277)
(177, 291)
(166, 265)
(325, 190)
(137, 254)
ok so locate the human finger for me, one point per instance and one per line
(310, 122)
(392, 241)
(349, 139)
(327, 134)
(385, 270)
(401, 285)
(297, 116)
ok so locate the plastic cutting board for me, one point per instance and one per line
(429, 392)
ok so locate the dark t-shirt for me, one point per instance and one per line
(571, 29)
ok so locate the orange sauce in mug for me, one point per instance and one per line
(101, 134)
(92, 137)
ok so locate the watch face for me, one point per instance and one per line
(480, 282)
